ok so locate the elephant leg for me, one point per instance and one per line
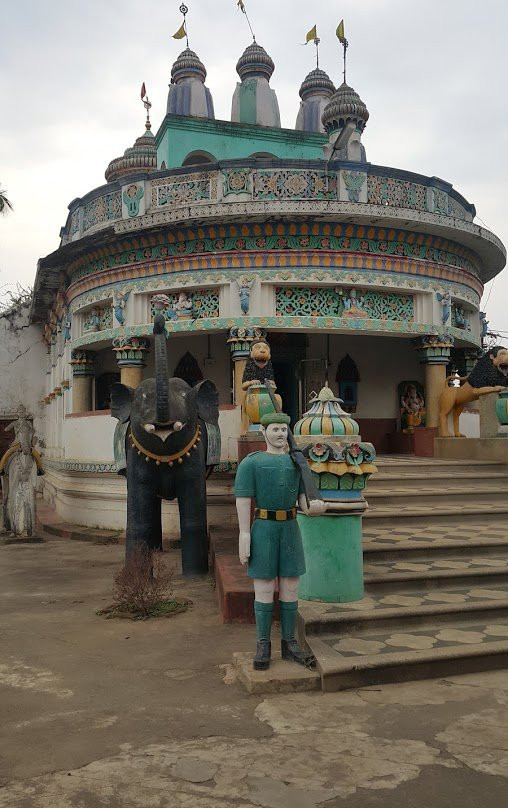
(193, 527)
(144, 531)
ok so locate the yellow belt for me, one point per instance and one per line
(275, 516)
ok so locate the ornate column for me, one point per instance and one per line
(434, 353)
(130, 354)
(471, 357)
(83, 373)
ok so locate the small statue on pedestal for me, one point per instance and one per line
(19, 468)
(273, 547)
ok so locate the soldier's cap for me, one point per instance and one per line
(275, 418)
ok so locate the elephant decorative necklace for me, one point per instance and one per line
(169, 459)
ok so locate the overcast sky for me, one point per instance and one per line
(432, 73)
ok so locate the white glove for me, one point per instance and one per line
(316, 507)
(244, 546)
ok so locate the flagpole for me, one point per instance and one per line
(317, 41)
(345, 44)
(241, 6)
(183, 10)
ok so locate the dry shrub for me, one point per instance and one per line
(143, 583)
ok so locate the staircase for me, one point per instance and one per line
(436, 578)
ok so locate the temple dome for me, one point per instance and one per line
(315, 92)
(255, 61)
(138, 158)
(187, 92)
(345, 105)
(317, 82)
(188, 65)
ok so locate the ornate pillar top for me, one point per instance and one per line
(434, 349)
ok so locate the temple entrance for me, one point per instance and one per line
(287, 387)
(288, 350)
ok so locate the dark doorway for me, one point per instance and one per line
(287, 387)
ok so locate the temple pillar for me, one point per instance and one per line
(83, 374)
(434, 354)
(130, 354)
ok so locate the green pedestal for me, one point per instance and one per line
(333, 557)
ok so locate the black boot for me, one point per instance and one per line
(292, 652)
(261, 661)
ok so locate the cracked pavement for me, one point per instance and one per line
(114, 713)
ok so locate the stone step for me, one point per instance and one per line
(436, 495)
(405, 464)
(405, 609)
(382, 655)
(415, 546)
(433, 579)
(414, 515)
(389, 480)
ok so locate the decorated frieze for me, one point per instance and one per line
(339, 302)
(396, 193)
(460, 318)
(327, 237)
(293, 184)
(131, 350)
(236, 181)
(183, 189)
(102, 209)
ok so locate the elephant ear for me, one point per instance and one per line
(207, 398)
(121, 400)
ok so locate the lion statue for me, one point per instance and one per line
(489, 375)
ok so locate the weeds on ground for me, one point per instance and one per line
(143, 588)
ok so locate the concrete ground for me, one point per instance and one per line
(116, 713)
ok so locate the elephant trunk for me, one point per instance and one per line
(161, 371)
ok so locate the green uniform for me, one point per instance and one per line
(274, 482)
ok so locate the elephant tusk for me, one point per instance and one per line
(149, 427)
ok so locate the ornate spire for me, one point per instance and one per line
(254, 62)
(187, 92)
(138, 158)
(188, 65)
(315, 92)
(345, 105)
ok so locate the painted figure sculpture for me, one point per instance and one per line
(167, 429)
(489, 375)
(273, 546)
(19, 468)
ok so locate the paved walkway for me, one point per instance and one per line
(117, 714)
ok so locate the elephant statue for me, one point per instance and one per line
(167, 434)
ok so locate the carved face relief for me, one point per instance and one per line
(260, 353)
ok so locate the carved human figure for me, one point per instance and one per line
(183, 305)
(412, 405)
(484, 325)
(272, 547)
(66, 326)
(446, 305)
(353, 305)
(244, 287)
(19, 468)
(118, 306)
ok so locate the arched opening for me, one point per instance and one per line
(261, 155)
(197, 158)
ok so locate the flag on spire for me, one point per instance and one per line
(311, 36)
(181, 33)
(241, 6)
(143, 90)
(340, 32)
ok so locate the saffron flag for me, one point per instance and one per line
(312, 35)
(143, 90)
(180, 33)
(340, 32)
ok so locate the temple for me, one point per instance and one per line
(362, 276)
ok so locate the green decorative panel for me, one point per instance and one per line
(102, 209)
(328, 482)
(397, 193)
(237, 181)
(294, 184)
(335, 302)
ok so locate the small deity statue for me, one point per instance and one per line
(273, 547)
(484, 326)
(353, 305)
(183, 305)
(446, 305)
(259, 369)
(460, 318)
(66, 326)
(412, 407)
(95, 319)
(19, 468)
(244, 287)
(118, 306)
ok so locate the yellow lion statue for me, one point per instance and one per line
(489, 375)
